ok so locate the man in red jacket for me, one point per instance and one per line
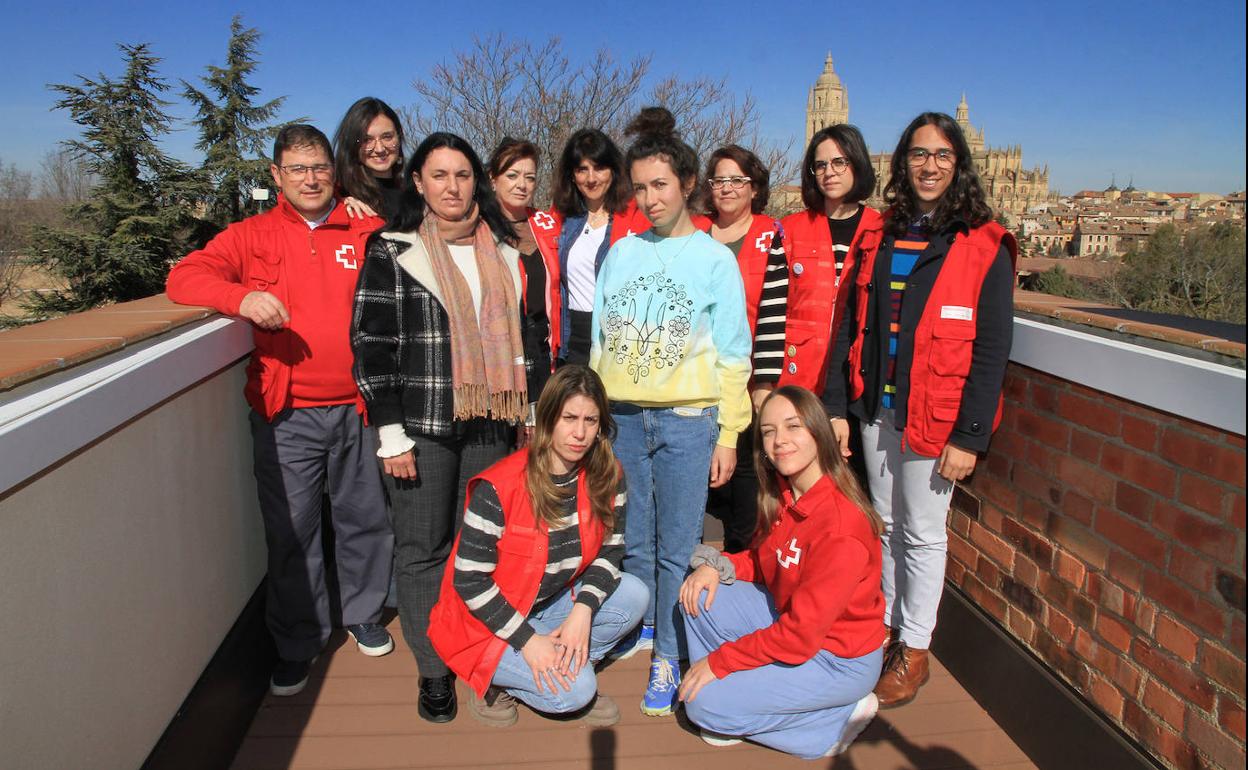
(291, 272)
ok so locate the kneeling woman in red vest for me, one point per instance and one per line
(534, 596)
(928, 321)
(787, 642)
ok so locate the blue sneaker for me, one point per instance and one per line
(372, 638)
(641, 638)
(660, 697)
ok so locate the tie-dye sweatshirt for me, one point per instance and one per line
(670, 328)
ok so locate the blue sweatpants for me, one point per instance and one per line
(801, 710)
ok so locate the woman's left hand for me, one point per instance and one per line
(698, 676)
(573, 636)
(723, 463)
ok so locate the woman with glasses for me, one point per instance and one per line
(672, 345)
(920, 361)
(439, 361)
(837, 176)
(513, 175)
(593, 207)
(368, 156)
(737, 187)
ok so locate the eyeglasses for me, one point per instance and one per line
(834, 166)
(917, 156)
(320, 169)
(731, 182)
(388, 140)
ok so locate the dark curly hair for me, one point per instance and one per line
(592, 145)
(750, 165)
(655, 129)
(964, 200)
(412, 207)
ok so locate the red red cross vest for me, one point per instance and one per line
(546, 226)
(467, 647)
(752, 259)
(944, 339)
(813, 290)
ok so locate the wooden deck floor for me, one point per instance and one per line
(359, 713)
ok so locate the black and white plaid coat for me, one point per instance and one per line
(400, 334)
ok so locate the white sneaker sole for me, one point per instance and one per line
(715, 739)
(864, 712)
(644, 644)
(374, 652)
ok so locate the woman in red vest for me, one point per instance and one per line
(534, 596)
(837, 176)
(786, 646)
(513, 173)
(737, 185)
(920, 361)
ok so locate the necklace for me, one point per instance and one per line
(666, 262)
(596, 219)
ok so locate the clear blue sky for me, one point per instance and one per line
(1146, 89)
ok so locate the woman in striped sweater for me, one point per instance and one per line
(534, 595)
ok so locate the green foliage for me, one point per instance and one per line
(139, 217)
(1199, 275)
(232, 129)
(1059, 283)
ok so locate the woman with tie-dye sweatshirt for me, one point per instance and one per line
(672, 345)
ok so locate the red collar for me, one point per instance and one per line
(812, 501)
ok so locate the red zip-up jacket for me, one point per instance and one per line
(313, 273)
(821, 564)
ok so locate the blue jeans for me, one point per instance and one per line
(618, 615)
(666, 456)
(800, 710)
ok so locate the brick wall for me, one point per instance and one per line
(1109, 538)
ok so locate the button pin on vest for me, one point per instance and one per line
(798, 269)
(792, 368)
(792, 350)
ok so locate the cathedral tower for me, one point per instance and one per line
(828, 103)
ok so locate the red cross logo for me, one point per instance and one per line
(544, 220)
(341, 255)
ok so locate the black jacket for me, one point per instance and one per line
(994, 334)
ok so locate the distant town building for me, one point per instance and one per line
(1010, 187)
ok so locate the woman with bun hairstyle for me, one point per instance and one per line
(672, 345)
(920, 361)
(513, 175)
(835, 228)
(439, 361)
(593, 209)
(368, 158)
(534, 595)
(787, 643)
(736, 186)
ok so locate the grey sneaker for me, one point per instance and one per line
(496, 709)
(602, 712)
(372, 639)
(289, 677)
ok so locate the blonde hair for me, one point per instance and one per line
(602, 472)
(828, 455)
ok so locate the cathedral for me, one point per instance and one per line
(1010, 187)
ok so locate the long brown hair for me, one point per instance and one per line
(828, 455)
(602, 472)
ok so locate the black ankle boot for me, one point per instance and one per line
(437, 699)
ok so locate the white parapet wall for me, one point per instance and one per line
(129, 544)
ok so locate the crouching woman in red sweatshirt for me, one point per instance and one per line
(786, 637)
(533, 595)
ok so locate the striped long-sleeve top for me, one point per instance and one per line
(772, 314)
(478, 556)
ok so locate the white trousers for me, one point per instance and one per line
(913, 500)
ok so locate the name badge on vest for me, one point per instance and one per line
(957, 312)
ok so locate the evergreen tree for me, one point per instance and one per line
(232, 130)
(138, 218)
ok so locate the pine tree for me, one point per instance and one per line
(232, 130)
(139, 217)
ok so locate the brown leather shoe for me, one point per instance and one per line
(905, 671)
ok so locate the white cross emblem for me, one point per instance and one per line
(341, 256)
(764, 241)
(788, 561)
(544, 220)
